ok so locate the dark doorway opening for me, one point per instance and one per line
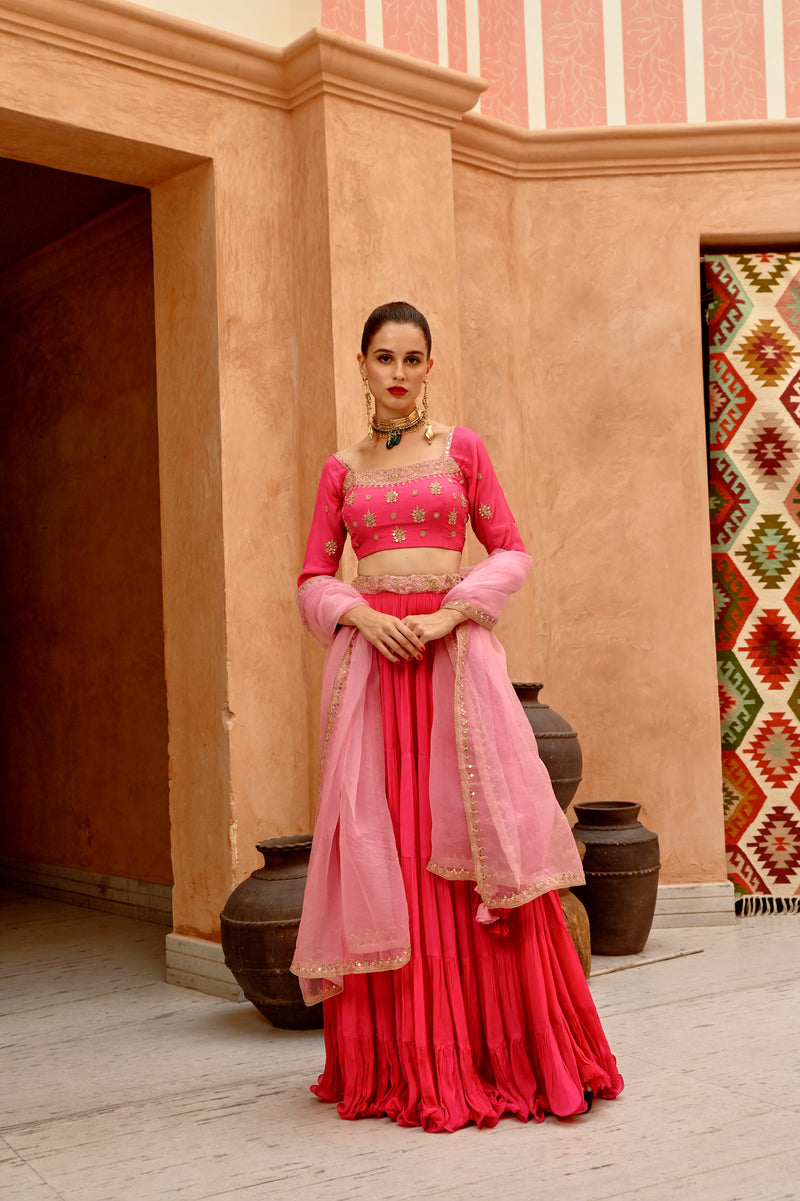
(83, 716)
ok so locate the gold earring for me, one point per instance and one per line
(425, 418)
(368, 403)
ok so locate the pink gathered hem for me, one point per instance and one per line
(482, 1022)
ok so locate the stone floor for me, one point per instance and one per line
(118, 1087)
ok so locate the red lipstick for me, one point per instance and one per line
(397, 391)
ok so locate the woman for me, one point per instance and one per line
(432, 929)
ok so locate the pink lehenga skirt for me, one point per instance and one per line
(484, 1020)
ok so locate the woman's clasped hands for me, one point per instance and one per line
(398, 638)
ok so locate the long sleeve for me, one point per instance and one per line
(491, 517)
(327, 534)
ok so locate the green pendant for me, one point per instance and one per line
(393, 439)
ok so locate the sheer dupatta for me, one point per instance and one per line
(495, 817)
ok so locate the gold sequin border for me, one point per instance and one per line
(351, 967)
(466, 753)
(339, 682)
(511, 900)
(465, 759)
(479, 615)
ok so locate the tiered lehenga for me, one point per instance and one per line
(432, 928)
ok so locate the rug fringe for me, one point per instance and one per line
(749, 906)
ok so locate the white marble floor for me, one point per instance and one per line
(115, 1086)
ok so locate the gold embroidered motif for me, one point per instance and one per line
(399, 534)
(464, 502)
(485, 510)
(418, 514)
(391, 497)
(369, 518)
(348, 500)
(452, 517)
(435, 487)
(331, 547)
(326, 508)
(436, 517)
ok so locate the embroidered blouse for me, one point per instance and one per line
(420, 504)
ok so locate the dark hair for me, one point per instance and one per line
(400, 312)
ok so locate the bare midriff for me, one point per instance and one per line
(416, 560)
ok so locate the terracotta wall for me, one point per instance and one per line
(83, 717)
(561, 277)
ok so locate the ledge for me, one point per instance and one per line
(90, 890)
(320, 62)
(195, 963)
(624, 150)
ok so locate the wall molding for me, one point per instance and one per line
(632, 150)
(682, 905)
(322, 61)
(90, 890)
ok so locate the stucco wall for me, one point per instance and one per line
(290, 192)
(83, 714)
(584, 365)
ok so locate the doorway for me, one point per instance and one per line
(752, 310)
(83, 724)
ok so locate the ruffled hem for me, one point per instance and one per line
(453, 1040)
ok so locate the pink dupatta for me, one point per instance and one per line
(495, 818)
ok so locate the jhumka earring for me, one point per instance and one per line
(425, 417)
(368, 403)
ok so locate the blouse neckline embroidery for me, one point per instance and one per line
(422, 469)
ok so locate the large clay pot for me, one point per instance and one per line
(558, 744)
(621, 865)
(259, 930)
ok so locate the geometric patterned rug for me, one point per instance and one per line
(754, 484)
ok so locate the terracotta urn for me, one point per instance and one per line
(557, 742)
(259, 931)
(621, 866)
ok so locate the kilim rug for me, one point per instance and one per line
(754, 454)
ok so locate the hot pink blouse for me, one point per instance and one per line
(421, 504)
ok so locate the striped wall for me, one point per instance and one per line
(556, 64)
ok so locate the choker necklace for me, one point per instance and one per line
(397, 427)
